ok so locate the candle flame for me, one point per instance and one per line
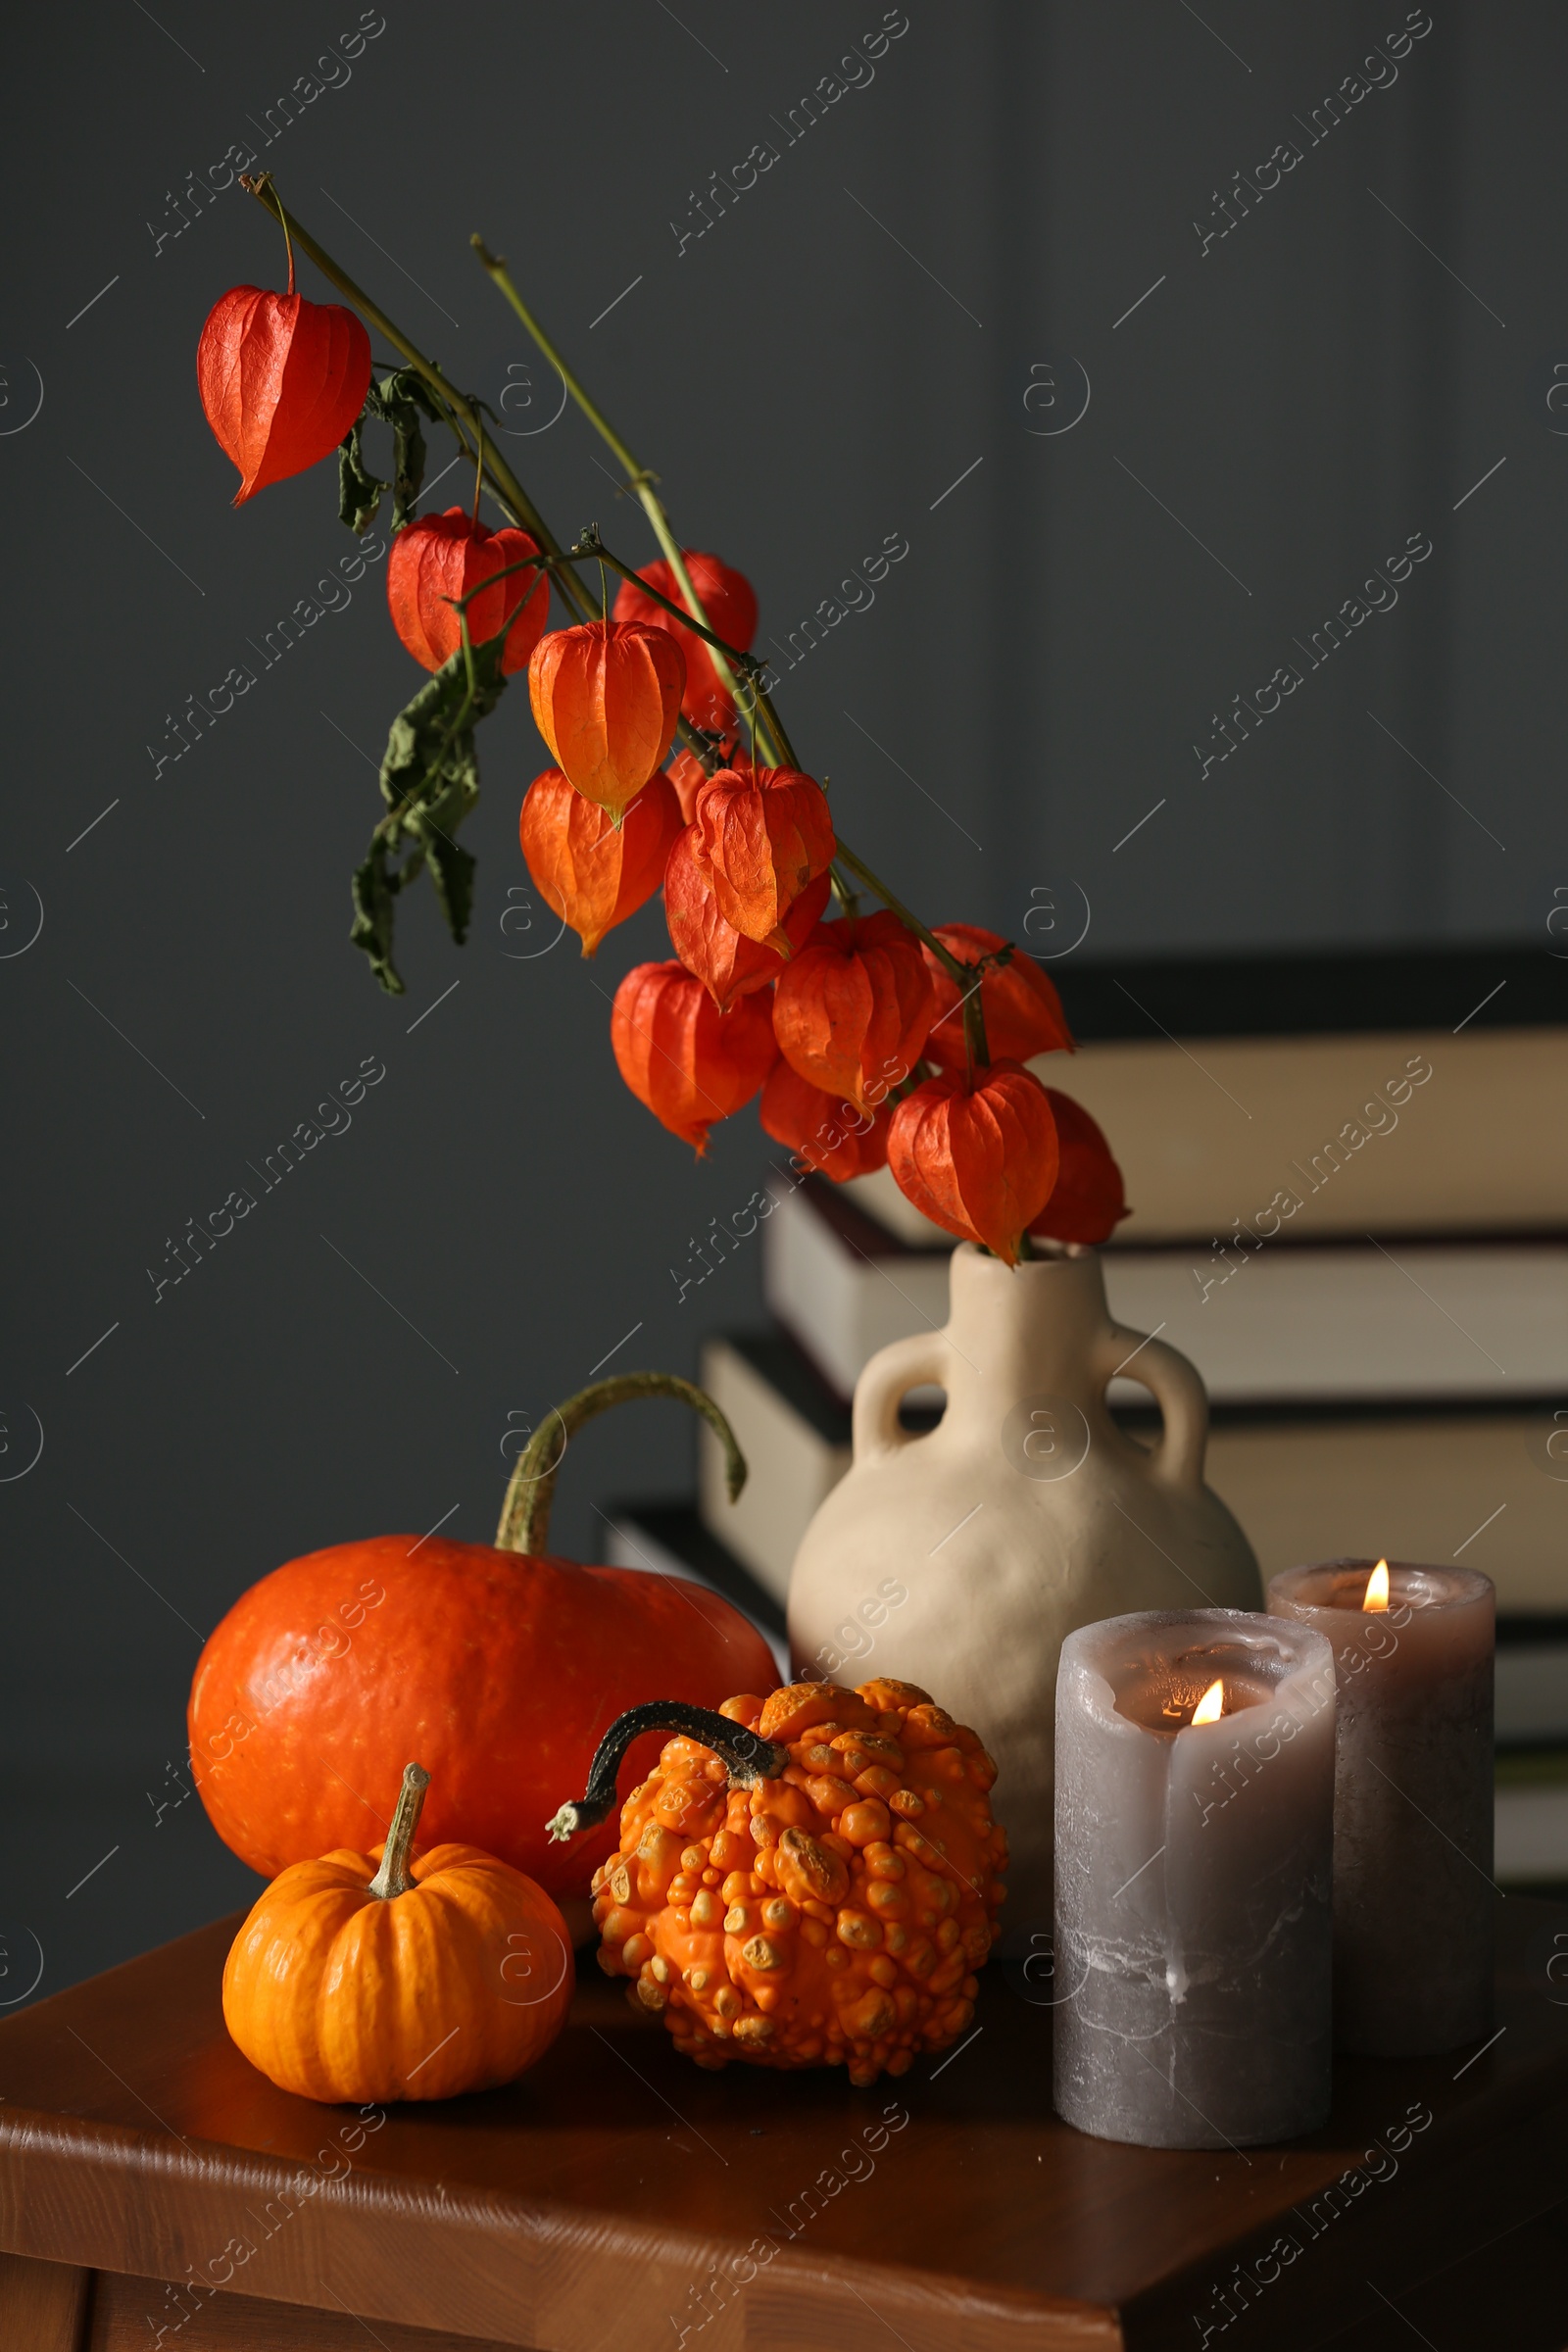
(1211, 1706)
(1376, 1595)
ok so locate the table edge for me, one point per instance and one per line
(126, 2161)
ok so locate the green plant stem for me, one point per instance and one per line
(461, 603)
(459, 411)
(638, 477)
(977, 1050)
(858, 865)
(591, 545)
(786, 754)
(532, 1489)
(496, 266)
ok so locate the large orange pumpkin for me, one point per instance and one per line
(436, 1973)
(806, 1880)
(498, 1666)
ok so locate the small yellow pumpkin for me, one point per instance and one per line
(432, 1975)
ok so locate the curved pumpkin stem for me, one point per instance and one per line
(750, 1758)
(532, 1489)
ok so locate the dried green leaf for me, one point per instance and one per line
(429, 749)
(375, 886)
(399, 399)
(358, 491)
(452, 870)
(430, 781)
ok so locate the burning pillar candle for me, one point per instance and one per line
(1194, 1807)
(1413, 1892)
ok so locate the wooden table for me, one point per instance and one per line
(619, 2200)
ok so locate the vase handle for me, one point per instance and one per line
(883, 1386)
(1178, 1390)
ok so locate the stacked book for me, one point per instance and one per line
(1349, 1179)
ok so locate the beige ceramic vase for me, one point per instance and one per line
(960, 1559)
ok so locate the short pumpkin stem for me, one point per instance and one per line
(531, 1489)
(751, 1759)
(393, 1877)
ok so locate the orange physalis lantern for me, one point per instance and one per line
(837, 1138)
(724, 959)
(688, 774)
(854, 1007)
(588, 870)
(690, 1063)
(760, 837)
(445, 556)
(1087, 1200)
(605, 697)
(730, 603)
(281, 379)
(978, 1161)
(1022, 1010)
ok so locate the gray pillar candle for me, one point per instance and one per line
(1193, 1870)
(1413, 1801)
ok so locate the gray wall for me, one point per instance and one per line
(914, 296)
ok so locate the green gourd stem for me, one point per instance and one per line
(531, 1489)
(393, 1877)
(750, 1757)
(511, 492)
(638, 476)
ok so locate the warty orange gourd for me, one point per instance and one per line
(809, 1880)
